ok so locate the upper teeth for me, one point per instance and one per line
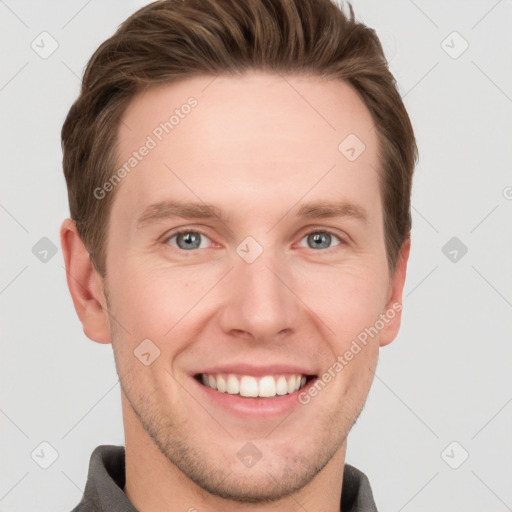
(247, 385)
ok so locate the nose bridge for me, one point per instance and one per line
(260, 303)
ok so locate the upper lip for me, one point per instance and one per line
(257, 370)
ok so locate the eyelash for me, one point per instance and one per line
(195, 230)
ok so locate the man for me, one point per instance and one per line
(239, 178)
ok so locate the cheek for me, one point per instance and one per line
(163, 303)
(153, 304)
(347, 299)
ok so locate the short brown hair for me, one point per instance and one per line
(170, 40)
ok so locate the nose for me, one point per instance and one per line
(261, 305)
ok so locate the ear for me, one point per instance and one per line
(393, 311)
(85, 284)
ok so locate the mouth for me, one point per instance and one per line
(250, 386)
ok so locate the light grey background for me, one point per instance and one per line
(445, 378)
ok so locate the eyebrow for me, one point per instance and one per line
(187, 210)
(322, 210)
(169, 209)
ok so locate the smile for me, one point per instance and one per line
(250, 386)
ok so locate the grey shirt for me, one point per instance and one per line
(106, 479)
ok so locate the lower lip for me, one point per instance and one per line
(256, 407)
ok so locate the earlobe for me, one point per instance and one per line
(393, 310)
(85, 284)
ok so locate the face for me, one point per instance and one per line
(247, 250)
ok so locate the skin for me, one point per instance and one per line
(258, 150)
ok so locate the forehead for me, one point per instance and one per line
(262, 103)
(257, 137)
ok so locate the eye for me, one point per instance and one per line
(187, 239)
(321, 239)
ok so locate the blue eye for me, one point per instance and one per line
(321, 239)
(187, 239)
